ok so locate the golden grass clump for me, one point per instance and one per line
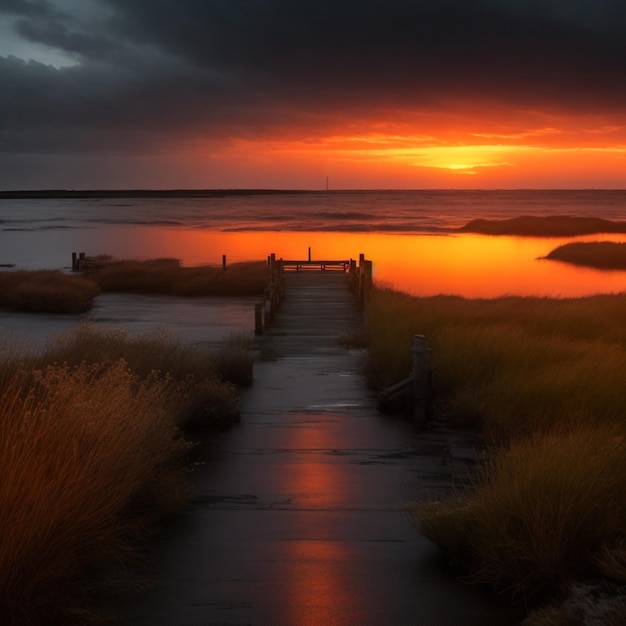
(167, 276)
(90, 457)
(512, 364)
(46, 291)
(205, 382)
(545, 379)
(546, 510)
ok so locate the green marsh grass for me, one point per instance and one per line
(46, 291)
(205, 382)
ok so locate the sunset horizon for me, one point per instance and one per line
(104, 94)
(278, 277)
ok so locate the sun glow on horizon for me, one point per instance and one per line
(533, 151)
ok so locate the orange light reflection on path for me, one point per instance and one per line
(316, 589)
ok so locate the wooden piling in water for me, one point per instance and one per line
(273, 295)
(421, 377)
(258, 319)
(77, 258)
(364, 279)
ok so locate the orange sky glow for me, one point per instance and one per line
(563, 152)
(280, 95)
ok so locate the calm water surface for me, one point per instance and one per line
(410, 236)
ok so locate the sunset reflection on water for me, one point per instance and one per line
(458, 264)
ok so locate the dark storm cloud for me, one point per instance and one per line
(413, 47)
(145, 67)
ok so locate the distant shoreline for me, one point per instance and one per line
(16, 194)
(44, 194)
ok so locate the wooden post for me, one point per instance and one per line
(258, 319)
(309, 253)
(421, 378)
(352, 275)
(367, 272)
(74, 262)
(224, 262)
(268, 305)
(276, 288)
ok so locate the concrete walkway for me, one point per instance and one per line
(299, 516)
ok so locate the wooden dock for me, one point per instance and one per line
(299, 513)
(355, 278)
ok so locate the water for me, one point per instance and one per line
(411, 236)
(406, 212)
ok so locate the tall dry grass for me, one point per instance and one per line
(545, 379)
(46, 291)
(167, 276)
(512, 364)
(206, 382)
(89, 459)
(546, 510)
(52, 291)
(92, 455)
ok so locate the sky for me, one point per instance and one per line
(302, 94)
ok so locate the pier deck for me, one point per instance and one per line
(299, 513)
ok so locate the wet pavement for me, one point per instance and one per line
(299, 515)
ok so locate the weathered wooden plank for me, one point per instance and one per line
(318, 308)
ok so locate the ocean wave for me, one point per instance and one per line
(343, 215)
(133, 222)
(378, 227)
(17, 229)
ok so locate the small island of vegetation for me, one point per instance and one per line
(548, 226)
(603, 255)
(55, 291)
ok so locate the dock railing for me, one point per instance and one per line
(359, 278)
